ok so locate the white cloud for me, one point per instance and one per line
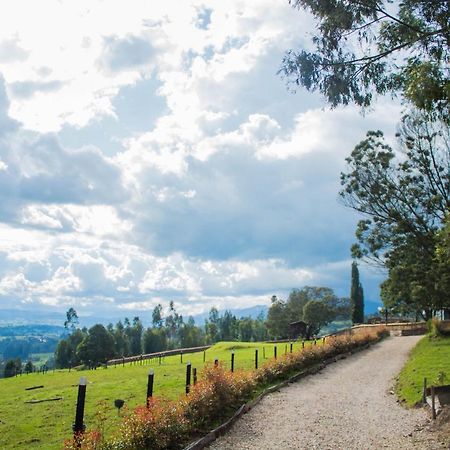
(223, 196)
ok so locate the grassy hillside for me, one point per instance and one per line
(47, 424)
(429, 358)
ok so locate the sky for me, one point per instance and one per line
(150, 151)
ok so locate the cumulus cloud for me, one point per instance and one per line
(170, 162)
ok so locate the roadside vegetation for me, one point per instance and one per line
(429, 359)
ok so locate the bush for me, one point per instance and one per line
(435, 328)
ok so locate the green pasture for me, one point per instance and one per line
(47, 424)
(430, 358)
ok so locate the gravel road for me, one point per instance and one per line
(348, 405)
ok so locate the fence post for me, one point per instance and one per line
(188, 377)
(275, 351)
(79, 426)
(151, 374)
(291, 346)
(204, 355)
(194, 373)
(256, 359)
(232, 361)
(303, 344)
(123, 361)
(433, 406)
(216, 362)
(424, 393)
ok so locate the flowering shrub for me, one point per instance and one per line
(168, 424)
(217, 392)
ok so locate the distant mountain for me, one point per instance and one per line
(16, 317)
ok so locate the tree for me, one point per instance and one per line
(157, 318)
(317, 314)
(190, 335)
(154, 340)
(121, 340)
(277, 319)
(71, 321)
(356, 296)
(29, 367)
(97, 347)
(228, 326)
(404, 198)
(135, 336)
(212, 325)
(442, 257)
(246, 329)
(363, 47)
(12, 367)
(173, 323)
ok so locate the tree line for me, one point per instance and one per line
(98, 344)
(315, 306)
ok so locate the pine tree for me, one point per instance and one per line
(356, 296)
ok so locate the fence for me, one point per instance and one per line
(156, 355)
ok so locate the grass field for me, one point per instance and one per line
(47, 424)
(429, 358)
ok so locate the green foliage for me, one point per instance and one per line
(317, 314)
(96, 347)
(154, 340)
(281, 313)
(366, 47)
(429, 359)
(356, 296)
(405, 200)
(12, 367)
(278, 319)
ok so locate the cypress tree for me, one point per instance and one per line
(356, 296)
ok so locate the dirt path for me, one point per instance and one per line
(349, 405)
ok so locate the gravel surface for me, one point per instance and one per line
(348, 405)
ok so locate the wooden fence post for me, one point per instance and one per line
(151, 374)
(291, 346)
(188, 377)
(232, 361)
(424, 393)
(275, 351)
(79, 426)
(433, 405)
(256, 358)
(194, 370)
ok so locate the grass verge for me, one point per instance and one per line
(430, 358)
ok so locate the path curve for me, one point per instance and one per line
(348, 405)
